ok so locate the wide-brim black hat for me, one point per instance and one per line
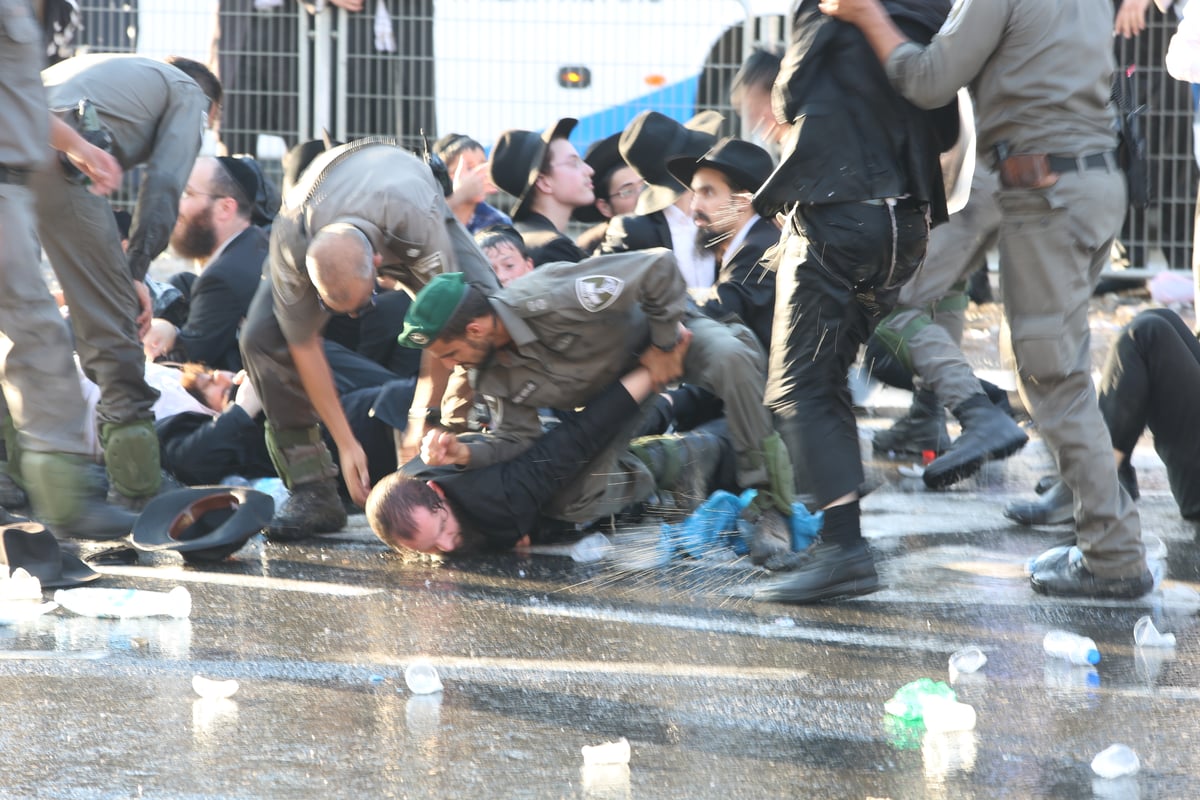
(745, 164)
(516, 161)
(603, 156)
(30, 546)
(203, 523)
(651, 138)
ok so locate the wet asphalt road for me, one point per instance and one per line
(718, 698)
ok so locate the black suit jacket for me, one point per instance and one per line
(637, 232)
(853, 136)
(546, 244)
(220, 297)
(745, 287)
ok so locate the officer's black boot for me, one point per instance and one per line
(313, 508)
(987, 433)
(922, 428)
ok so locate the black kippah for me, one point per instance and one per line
(244, 175)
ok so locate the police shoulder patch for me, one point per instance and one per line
(598, 292)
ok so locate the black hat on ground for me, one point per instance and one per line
(651, 138)
(30, 546)
(204, 523)
(603, 156)
(516, 161)
(745, 164)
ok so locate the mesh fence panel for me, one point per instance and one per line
(479, 67)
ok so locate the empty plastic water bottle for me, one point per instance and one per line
(1116, 761)
(126, 603)
(1146, 635)
(945, 716)
(969, 659)
(1077, 649)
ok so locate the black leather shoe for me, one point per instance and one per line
(312, 509)
(1061, 572)
(1055, 507)
(987, 433)
(826, 571)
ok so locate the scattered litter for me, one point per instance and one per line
(967, 660)
(211, 689)
(126, 603)
(1146, 635)
(422, 678)
(934, 704)
(1116, 761)
(1079, 650)
(607, 753)
(20, 586)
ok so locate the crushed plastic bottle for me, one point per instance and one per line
(1079, 650)
(607, 753)
(967, 660)
(1116, 761)
(126, 603)
(422, 678)
(1146, 635)
(211, 689)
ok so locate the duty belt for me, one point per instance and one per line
(1105, 160)
(13, 175)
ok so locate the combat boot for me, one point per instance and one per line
(987, 433)
(312, 508)
(63, 497)
(921, 429)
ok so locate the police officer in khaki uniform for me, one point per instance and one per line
(155, 114)
(360, 211)
(41, 386)
(557, 336)
(1041, 74)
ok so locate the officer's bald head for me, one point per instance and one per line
(340, 263)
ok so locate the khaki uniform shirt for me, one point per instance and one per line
(24, 126)
(576, 328)
(157, 116)
(392, 197)
(1041, 73)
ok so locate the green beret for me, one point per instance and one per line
(432, 309)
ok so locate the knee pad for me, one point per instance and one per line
(131, 457)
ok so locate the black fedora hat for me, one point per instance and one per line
(603, 156)
(516, 161)
(203, 523)
(651, 138)
(30, 546)
(745, 164)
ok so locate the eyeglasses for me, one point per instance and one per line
(627, 190)
(365, 308)
(190, 192)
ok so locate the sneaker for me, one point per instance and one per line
(827, 570)
(312, 509)
(1060, 572)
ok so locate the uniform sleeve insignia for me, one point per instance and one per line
(598, 292)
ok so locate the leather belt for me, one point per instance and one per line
(14, 175)
(1106, 160)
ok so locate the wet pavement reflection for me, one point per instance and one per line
(541, 656)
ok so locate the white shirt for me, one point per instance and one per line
(738, 238)
(699, 267)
